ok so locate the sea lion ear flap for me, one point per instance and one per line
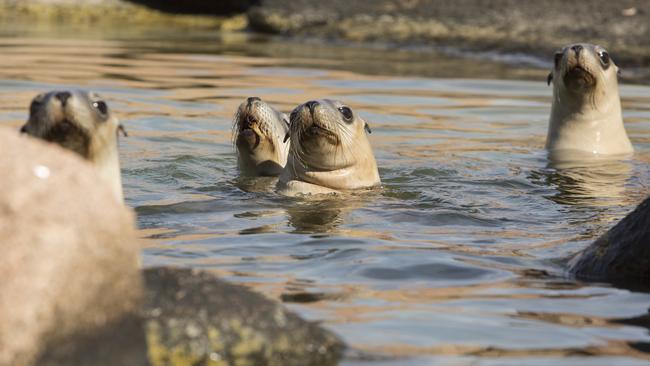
(285, 118)
(120, 128)
(286, 137)
(549, 78)
(618, 74)
(367, 128)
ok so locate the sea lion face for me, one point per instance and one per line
(326, 135)
(77, 120)
(259, 135)
(329, 152)
(583, 69)
(586, 110)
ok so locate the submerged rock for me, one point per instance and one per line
(69, 263)
(193, 318)
(621, 254)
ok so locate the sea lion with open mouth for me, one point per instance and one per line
(259, 132)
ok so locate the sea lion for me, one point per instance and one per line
(586, 115)
(329, 151)
(258, 133)
(79, 121)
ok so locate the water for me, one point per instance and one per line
(458, 260)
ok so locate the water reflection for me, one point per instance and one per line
(454, 262)
(594, 182)
(319, 215)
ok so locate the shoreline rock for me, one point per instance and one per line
(107, 12)
(533, 27)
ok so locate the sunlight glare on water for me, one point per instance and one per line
(457, 260)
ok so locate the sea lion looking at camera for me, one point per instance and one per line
(586, 113)
(259, 132)
(329, 151)
(79, 121)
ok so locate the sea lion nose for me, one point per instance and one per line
(311, 105)
(250, 100)
(63, 97)
(577, 49)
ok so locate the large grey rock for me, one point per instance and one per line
(218, 7)
(69, 263)
(530, 26)
(620, 255)
(193, 318)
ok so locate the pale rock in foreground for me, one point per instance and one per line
(69, 263)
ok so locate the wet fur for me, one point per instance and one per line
(327, 154)
(586, 111)
(258, 137)
(78, 124)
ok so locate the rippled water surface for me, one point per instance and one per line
(458, 260)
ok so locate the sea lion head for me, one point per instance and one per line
(326, 134)
(584, 69)
(586, 109)
(79, 121)
(259, 134)
(330, 147)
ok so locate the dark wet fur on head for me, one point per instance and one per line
(71, 136)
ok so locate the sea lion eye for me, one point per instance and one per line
(558, 58)
(604, 58)
(101, 107)
(347, 113)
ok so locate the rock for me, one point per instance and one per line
(193, 318)
(69, 263)
(106, 13)
(620, 255)
(528, 26)
(219, 7)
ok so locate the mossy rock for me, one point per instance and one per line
(193, 318)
